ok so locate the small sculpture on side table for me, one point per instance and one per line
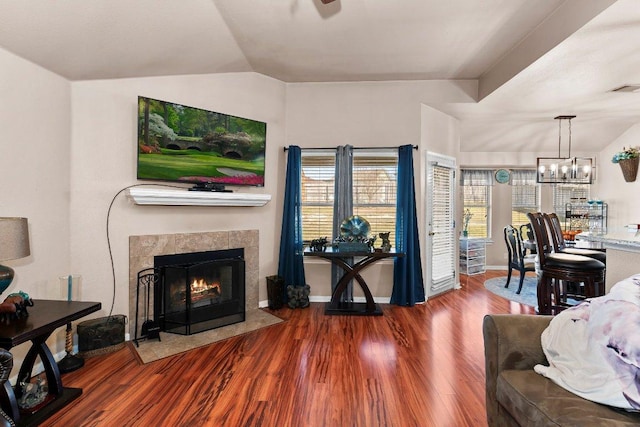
(371, 242)
(15, 306)
(386, 243)
(33, 393)
(318, 245)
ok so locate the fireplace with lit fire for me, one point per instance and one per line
(199, 291)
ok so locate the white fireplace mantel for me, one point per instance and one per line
(179, 197)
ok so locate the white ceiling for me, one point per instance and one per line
(533, 60)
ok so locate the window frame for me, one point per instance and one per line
(362, 158)
(524, 179)
(483, 180)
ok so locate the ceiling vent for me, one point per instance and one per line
(627, 88)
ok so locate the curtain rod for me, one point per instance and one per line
(415, 147)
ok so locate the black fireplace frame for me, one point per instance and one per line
(230, 312)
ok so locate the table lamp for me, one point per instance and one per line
(14, 244)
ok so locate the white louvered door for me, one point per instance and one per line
(440, 215)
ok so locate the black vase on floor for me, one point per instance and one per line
(275, 292)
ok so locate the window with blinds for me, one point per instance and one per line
(317, 187)
(476, 189)
(525, 195)
(375, 179)
(374, 191)
(442, 218)
(568, 193)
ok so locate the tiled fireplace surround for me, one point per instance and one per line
(142, 249)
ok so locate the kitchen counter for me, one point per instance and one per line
(623, 254)
(622, 239)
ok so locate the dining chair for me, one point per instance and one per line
(517, 258)
(528, 242)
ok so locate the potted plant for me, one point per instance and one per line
(466, 218)
(628, 160)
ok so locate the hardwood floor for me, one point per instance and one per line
(418, 366)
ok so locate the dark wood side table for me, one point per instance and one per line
(352, 271)
(44, 317)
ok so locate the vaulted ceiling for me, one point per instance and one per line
(533, 60)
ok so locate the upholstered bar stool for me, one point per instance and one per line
(559, 245)
(556, 269)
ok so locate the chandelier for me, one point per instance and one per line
(564, 170)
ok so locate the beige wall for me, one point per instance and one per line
(623, 205)
(35, 169)
(373, 114)
(440, 134)
(621, 196)
(104, 153)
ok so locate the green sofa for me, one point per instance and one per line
(517, 396)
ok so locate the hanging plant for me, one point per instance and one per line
(628, 159)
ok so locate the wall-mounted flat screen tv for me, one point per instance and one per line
(191, 145)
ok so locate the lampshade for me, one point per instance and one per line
(14, 244)
(561, 169)
(14, 238)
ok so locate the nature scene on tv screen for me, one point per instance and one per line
(180, 143)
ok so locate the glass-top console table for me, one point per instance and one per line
(352, 270)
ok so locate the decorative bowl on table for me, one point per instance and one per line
(354, 235)
(354, 227)
(570, 235)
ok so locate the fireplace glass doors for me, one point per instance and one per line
(201, 291)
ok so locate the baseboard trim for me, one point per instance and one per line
(322, 298)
